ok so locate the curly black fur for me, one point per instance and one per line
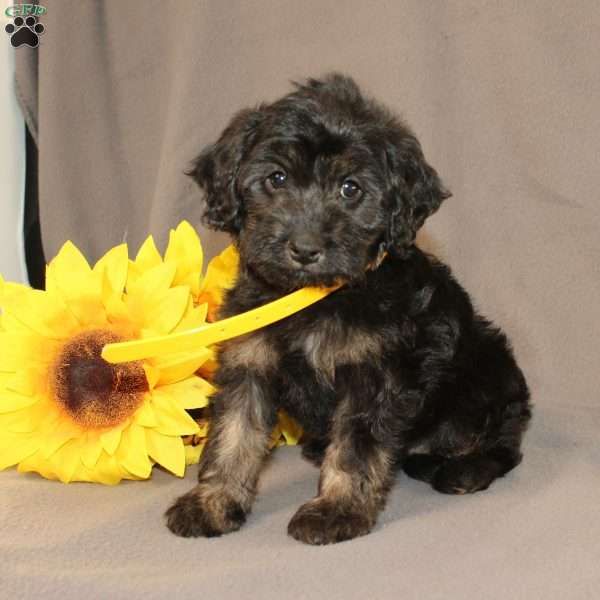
(393, 368)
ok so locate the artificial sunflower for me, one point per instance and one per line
(287, 432)
(220, 276)
(66, 413)
(69, 415)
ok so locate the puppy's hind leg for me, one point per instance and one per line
(238, 442)
(461, 474)
(458, 470)
(480, 440)
(422, 466)
(498, 454)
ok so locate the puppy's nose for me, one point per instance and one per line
(304, 251)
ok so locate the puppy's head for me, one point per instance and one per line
(316, 186)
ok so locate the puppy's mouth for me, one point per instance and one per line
(308, 268)
(289, 277)
(312, 276)
(288, 267)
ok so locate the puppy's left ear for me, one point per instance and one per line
(416, 191)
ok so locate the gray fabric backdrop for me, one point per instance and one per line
(505, 99)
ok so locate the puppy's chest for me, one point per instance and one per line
(299, 361)
(323, 346)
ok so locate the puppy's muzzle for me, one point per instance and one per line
(304, 250)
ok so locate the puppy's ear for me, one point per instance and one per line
(416, 190)
(216, 169)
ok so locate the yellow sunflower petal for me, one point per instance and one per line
(18, 349)
(82, 473)
(145, 415)
(38, 464)
(91, 451)
(26, 382)
(66, 459)
(14, 449)
(180, 366)
(221, 271)
(185, 250)
(144, 294)
(208, 369)
(107, 470)
(40, 312)
(193, 454)
(275, 440)
(172, 420)
(153, 375)
(110, 440)
(11, 401)
(10, 323)
(290, 430)
(39, 417)
(73, 278)
(192, 392)
(10, 287)
(132, 453)
(147, 257)
(167, 309)
(167, 451)
(56, 437)
(151, 282)
(114, 265)
(72, 270)
(22, 421)
(195, 316)
(117, 312)
(221, 274)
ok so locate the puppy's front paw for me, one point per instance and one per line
(320, 522)
(204, 513)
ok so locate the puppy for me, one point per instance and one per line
(393, 369)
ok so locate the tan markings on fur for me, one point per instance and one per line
(380, 466)
(335, 482)
(241, 446)
(215, 502)
(422, 448)
(232, 440)
(251, 352)
(365, 487)
(331, 345)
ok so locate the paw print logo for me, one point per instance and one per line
(24, 31)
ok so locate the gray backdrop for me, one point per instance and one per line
(505, 99)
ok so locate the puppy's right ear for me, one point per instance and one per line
(216, 170)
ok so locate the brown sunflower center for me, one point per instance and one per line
(97, 394)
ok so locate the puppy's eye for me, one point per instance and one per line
(350, 190)
(276, 180)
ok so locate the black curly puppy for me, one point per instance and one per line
(395, 367)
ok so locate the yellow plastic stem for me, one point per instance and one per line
(216, 332)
